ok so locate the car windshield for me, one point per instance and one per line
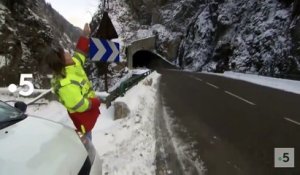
(9, 113)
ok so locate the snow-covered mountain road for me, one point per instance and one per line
(187, 123)
(233, 125)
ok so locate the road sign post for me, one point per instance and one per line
(106, 30)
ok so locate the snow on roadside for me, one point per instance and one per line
(140, 71)
(277, 83)
(123, 79)
(3, 61)
(127, 146)
(189, 160)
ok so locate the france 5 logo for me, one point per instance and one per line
(284, 157)
(26, 86)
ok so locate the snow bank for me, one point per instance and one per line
(277, 83)
(123, 79)
(139, 71)
(127, 146)
(2, 61)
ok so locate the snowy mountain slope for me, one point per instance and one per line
(26, 28)
(255, 33)
(254, 36)
(130, 27)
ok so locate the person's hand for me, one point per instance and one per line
(86, 30)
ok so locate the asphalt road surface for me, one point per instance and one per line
(236, 124)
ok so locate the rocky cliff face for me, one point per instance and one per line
(26, 28)
(257, 36)
(245, 36)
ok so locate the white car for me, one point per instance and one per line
(35, 146)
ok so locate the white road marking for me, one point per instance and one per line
(293, 121)
(199, 79)
(196, 78)
(240, 98)
(212, 85)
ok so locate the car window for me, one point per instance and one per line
(8, 112)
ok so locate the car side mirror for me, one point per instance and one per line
(21, 106)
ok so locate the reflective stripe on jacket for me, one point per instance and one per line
(75, 89)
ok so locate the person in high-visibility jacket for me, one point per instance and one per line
(70, 83)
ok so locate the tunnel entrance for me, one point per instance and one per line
(150, 60)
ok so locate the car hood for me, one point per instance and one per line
(39, 146)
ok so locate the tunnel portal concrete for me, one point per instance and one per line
(141, 53)
(145, 58)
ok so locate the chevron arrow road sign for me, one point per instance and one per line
(104, 50)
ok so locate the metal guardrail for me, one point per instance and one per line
(125, 86)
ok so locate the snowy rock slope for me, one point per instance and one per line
(26, 28)
(254, 36)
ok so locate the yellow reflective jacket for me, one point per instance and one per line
(74, 90)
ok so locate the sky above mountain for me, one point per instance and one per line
(77, 12)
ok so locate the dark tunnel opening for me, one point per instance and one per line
(144, 58)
